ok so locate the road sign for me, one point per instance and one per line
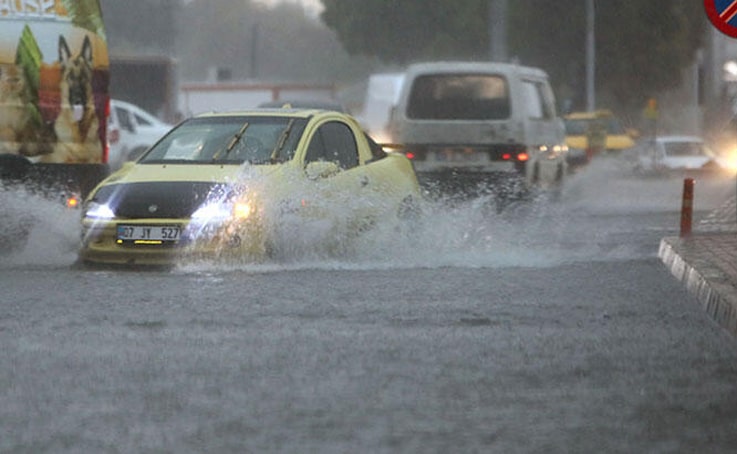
(723, 15)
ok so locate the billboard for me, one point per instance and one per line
(54, 78)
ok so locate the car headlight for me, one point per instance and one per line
(242, 210)
(222, 211)
(212, 212)
(100, 211)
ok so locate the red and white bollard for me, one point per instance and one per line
(687, 207)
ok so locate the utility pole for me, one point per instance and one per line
(255, 34)
(498, 30)
(590, 56)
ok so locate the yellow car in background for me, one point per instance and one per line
(582, 125)
(238, 185)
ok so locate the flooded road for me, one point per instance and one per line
(551, 327)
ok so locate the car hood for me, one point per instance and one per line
(613, 142)
(137, 173)
(171, 191)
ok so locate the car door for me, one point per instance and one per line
(344, 189)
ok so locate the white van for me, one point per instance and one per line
(475, 120)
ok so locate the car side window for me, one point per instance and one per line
(142, 121)
(333, 141)
(539, 101)
(125, 120)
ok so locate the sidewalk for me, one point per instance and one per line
(706, 263)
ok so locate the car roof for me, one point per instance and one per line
(120, 102)
(454, 67)
(590, 115)
(679, 138)
(264, 112)
(304, 104)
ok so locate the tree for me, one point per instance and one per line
(642, 46)
(408, 30)
(647, 48)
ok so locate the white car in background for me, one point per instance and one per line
(131, 131)
(666, 154)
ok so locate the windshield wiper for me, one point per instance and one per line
(280, 143)
(236, 138)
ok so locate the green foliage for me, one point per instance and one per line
(85, 14)
(28, 57)
(409, 30)
(641, 46)
(646, 49)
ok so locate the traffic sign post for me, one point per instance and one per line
(687, 207)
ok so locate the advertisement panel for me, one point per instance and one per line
(54, 77)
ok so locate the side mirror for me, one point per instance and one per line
(321, 169)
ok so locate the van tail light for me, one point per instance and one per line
(522, 157)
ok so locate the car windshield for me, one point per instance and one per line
(577, 127)
(229, 140)
(683, 149)
(459, 97)
(580, 127)
(614, 127)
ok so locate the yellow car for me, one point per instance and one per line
(240, 185)
(581, 125)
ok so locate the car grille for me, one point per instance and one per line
(156, 199)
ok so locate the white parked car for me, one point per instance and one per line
(673, 153)
(131, 131)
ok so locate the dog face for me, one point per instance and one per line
(76, 73)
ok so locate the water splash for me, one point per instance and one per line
(545, 230)
(36, 231)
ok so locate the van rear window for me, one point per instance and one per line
(459, 97)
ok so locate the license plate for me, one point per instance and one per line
(149, 233)
(461, 156)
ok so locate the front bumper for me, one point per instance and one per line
(100, 244)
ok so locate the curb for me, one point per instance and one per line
(710, 287)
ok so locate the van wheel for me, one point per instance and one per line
(559, 174)
(536, 174)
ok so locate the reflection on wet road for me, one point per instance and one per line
(549, 327)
